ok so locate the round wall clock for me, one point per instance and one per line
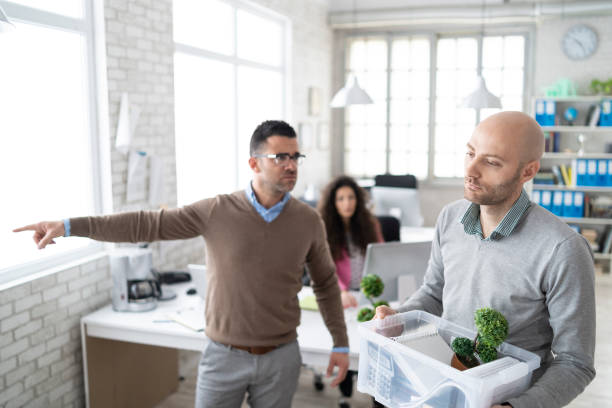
(579, 42)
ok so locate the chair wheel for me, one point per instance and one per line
(318, 383)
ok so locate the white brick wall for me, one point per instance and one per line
(40, 356)
(40, 351)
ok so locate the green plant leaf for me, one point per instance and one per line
(372, 285)
(492, 326)
(365, 314)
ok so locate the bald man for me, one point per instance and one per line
(497, 249)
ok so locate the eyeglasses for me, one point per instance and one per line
(282, 159)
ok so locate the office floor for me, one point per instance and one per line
(597, 394)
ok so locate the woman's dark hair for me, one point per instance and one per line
(267, 129)
(362, 223)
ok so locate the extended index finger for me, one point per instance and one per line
(31, 227)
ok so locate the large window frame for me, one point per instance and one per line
(236, 63)
(527, 32)
(90, 26)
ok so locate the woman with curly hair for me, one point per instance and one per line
(350, 228)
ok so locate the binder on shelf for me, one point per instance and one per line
(540, 112)
(559, 177)
(565, 175)
(556, 142)
(546, 200)
(567, 210)
(606, 244)
(550, 112)
(609, 182)
(578, 207)
(557, 203)
(602, 172)
(591, 172)
(581, 172)
(535, 196)
(592, 118)
(605, 118)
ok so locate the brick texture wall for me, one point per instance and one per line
(40, 349)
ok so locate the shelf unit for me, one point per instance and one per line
(596, 138)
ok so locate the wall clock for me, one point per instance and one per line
(579, 42)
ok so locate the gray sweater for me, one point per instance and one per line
(540, 277)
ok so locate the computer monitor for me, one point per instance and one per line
(400, 265)
(402, 203)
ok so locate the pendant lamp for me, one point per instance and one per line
(5, 24)
(481, 97)
(351, 93)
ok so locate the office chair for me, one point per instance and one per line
(390, 227)
(392, 180)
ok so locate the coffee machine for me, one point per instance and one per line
(135, 288)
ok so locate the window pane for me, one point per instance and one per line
(398, 163)
(376, 55)
(204, 24)
(514, 51)
(419, 139)
(354, 163)
(376, 138)
(401, 54)
(357, 55)
(354, 138)
(71, 8)
(205, 141)
(492, 52)
(467, 53)
(398, 139)
(446, 53)
(419, 56)
(261, 98)
(375, 164)
(45, 160)
(259, 39)
(512, 82)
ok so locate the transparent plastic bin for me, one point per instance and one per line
(401, 377)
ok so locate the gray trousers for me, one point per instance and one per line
(225, 374)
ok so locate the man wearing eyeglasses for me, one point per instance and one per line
(258, 241)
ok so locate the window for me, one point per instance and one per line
(407, 130)
(48, 164)
(230, 74)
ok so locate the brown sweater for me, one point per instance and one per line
(254, 268)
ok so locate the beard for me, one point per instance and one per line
(492, 195)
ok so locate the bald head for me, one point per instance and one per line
(516, 131)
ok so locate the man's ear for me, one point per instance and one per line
(254, 164)
(530, 170)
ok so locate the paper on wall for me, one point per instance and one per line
(156, 181)
(126, 125)
(137, 175)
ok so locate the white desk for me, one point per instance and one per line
(417, 234)
(131, 359)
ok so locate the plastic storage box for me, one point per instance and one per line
(399, 376)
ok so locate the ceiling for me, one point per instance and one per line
(346, 14)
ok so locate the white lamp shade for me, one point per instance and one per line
(481, 98)
(5, 24)
(351, 94)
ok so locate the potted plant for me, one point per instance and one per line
(372, 286)
(492, 329)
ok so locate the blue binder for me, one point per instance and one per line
(578, 204)
(550, 112)
(581, 171)
(568, 204)
(591, 172)
(557, 203)
(605, 119)
(602, 172)
(609, 183)
(540, 112)
(546, 199)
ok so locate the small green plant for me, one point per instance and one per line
(372, 286)
(601, 87)
(492, 329)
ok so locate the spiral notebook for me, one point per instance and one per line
(426, 340)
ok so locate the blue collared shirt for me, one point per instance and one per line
(268, 214)
(471, 219)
